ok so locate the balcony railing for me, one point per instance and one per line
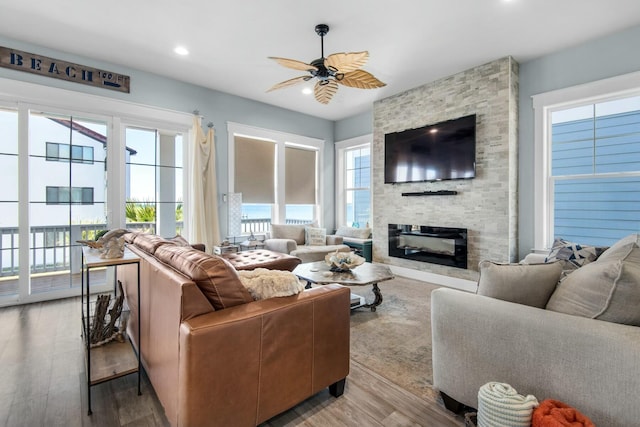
(54, 248)
(263, 225)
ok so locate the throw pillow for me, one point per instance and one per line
(572, 254)
(263, 283)
(529, 284)
(625, 248)
(607, 290)
(315, 236)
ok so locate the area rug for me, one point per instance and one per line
(395, 340)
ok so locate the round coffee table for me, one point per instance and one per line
(365, 274)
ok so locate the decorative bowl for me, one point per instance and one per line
(343, 261)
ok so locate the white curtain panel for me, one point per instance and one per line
(204, 201)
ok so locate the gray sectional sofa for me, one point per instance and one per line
(579, 344)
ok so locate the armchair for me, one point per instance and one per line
(305, 241)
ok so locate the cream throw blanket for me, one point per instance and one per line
(499, 405)
(263, 283)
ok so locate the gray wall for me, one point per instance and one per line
(215, 106)
(595, 60)
(358, 125)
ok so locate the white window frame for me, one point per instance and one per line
(282, 140)
(544, 105)
(25, 97)
(341, 148)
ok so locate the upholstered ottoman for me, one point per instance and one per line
(262, 258)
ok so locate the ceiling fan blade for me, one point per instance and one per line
(346, 62)
(292, 63)
(289, 82)
(361, 79)
(324, 92)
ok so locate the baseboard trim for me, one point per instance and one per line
(437, 279)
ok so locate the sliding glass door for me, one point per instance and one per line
(67, 195)
(9, 239)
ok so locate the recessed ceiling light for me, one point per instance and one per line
(307, 91)
(181, 51)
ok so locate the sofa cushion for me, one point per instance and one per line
(573, 255)
(150, 242)
(262, 283)
(529, 284)
(608, 289)
(179, 240)
(358, 233)
(315, 236)
(290, 231)
(215, 276)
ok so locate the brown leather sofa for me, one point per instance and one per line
(214, 356)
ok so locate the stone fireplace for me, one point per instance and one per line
(485, 207)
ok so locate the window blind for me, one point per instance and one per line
(254, 169)
(300, 176)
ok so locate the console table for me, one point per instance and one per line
(114, 359)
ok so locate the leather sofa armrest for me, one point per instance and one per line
(334, 239)
(285, 246)
(298, 344)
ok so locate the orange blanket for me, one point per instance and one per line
(553, 413)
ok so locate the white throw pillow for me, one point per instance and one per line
(315, 236)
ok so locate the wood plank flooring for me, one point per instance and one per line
(43, 383)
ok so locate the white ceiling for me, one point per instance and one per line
(410, 42)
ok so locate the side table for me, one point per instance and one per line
(252, 244)
(227, 249)
(114, 359)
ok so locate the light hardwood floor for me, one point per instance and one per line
(43, 383)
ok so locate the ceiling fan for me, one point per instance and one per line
(338, 68)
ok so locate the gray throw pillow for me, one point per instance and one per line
(607, 289)
(529, 284)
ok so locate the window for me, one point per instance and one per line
(154, 198)
(64, 152)
(62, 189)
(66, 195)
(591, 179)
(353, 167)
(278, 176)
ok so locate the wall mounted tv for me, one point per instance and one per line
(437, 152)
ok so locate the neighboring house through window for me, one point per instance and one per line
(588, 162)
(66, 195)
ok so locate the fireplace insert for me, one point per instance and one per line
(437, 245)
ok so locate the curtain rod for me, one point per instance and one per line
(197, 113)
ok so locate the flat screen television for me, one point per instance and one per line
(437, 152)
